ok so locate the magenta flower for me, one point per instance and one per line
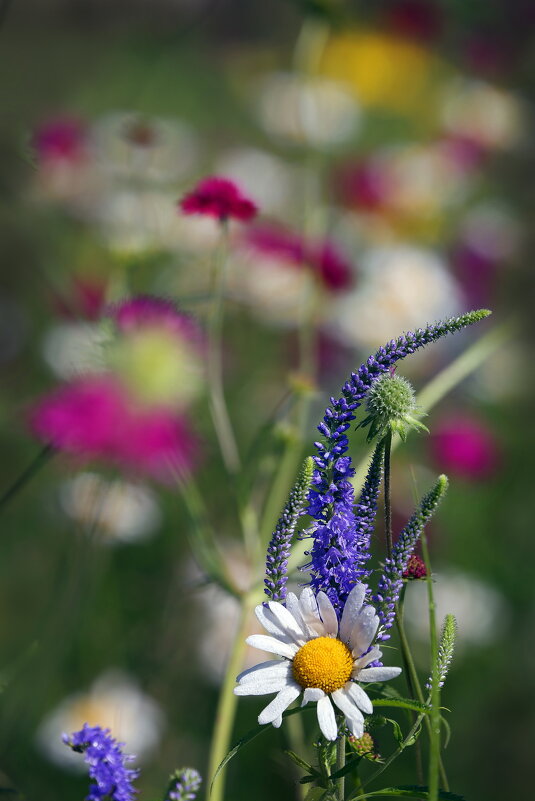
(94, 418)
(219, 197)
(83, 299)
(147, 311)
(60, 139)
(324, 258)
(465, 447)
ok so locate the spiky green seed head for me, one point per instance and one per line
(391, 406)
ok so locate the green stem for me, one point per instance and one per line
(410, 675)
(387, 499)
(340, 763)
(296, 736)
(226, 708)
(25, 477)
(218, 407)
(434, 735)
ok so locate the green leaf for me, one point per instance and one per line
(251, 735)
(402, 703)
(301, 762)
(398, 734)
(408, 791)
(448, 730)
(348, 767)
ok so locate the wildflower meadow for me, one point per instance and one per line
(266, 436)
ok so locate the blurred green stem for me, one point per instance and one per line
(226, 708)
(434, 734)
(387, 498)
(218, 407)
(25, 477)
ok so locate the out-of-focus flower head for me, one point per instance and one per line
(384, 70)
(398, 286)
(118, 511)
(478, 112)
(275, 268)
(184, 785)
(364, 185)
(113, 701)
(129, 410)
(157, 352)
(106, 761)
(309, 111)
(272, 181)
(62, 138)
(154, 150)
(219, 197)
(465, 447)
(416, 568)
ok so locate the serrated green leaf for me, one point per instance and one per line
(251, 735)
(396, 728)
(402, 703)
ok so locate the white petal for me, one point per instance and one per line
(352, 607)
(281, 702)
(373, 654)
(363, 631)
(378, 673)
(328, 615)
(268, 620)
(272, 645)
(274, 667)
(352, 714)
(326, 718)
(287, 622)
(277, 722)
(292, 604)
(310, 612)
(312, 694)
(257, 684)
(358, 695)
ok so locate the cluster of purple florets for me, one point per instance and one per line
(184, 785)
(107, 763)
(340, 547)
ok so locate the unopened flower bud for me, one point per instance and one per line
(415, 569)
(391, 407)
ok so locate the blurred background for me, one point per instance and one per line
(388, 147)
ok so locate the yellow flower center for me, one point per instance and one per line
(324, 662)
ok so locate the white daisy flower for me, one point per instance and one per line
(322, 659)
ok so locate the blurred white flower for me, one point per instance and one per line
(491, 230)
(483, 114)
(73, 349)
(114, 701)
(480, 610)
(271, 182)
(399, 287)
(157, 150)
(120, 511)
(312, 111)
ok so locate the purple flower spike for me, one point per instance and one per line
(107, 763)
(338, 549)
(184, 785)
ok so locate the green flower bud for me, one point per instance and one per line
(391, 407)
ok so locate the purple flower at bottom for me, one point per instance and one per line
(107, 763)
(184, 785)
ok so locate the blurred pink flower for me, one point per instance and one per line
(364, 185)
(464, 446)
(147, 311)
(94, 418)
(219, 197)
(324, 258)
(84, 298)
(60, 138)
(418, 19)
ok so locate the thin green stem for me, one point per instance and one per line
(218, 407)
(25, 477)
(226, 708)
(296, 736)
(387, 498)
(410, 675)
(434, 736)
(340, 763)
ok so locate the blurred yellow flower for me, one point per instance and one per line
(384, 70)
